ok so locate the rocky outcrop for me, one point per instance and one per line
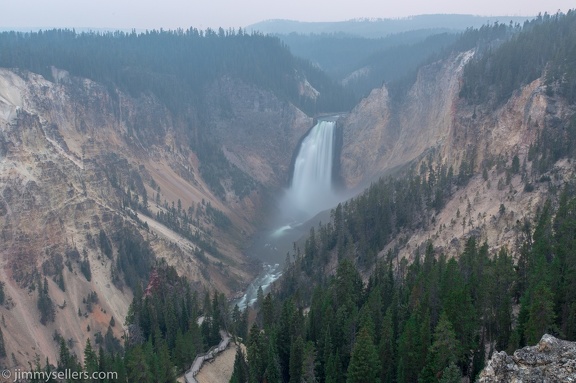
(76, 157)
(259, 132)
(381, 134)
(69, 152)
(432, 129)
(367, 136)
(551, 360)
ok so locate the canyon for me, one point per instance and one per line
(76, 161)
(87, 169)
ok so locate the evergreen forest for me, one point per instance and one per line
(175, 66)
(343, 312)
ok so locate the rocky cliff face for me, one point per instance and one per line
(76, 159)
(380, 134)
(259, 132)
(432, 128)
(551, 360)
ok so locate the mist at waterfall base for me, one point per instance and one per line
(310, 192)
(311, 189)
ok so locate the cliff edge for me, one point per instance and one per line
(551, 360)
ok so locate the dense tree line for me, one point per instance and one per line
(163, 333)
(555, 141)
(434, 319)
(173, 65)
(506, 57)
(398, 64)
(439, 47)
(544, 46)
(362, 226)
(178, 67)
(430, 321)
(340, 54)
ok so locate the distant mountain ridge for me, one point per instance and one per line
(375, 28)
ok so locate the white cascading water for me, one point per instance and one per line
(310, 192)
(311, 189)
(264, 280)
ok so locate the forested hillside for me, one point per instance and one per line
(173, 65)
(548, 43)
(376, 28)
(179, 68)
(111, 160)
(346, 311)
(433, 320)
(358, 301)
(162, 337)
(396, 62)
(339, 54)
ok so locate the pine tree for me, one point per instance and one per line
(138, 366)
(90, 360)
(326, 352)
(451, 374)
(296, 360)
(240, 372)
(236, 321)
(119, 366)
(103, 361)
(364, 364)
(387, 349)
(259, 297)
(45, 304)
(442, 352)
(333, 369)
(267, 311)
(217, 320)
(500, 286)
(256, 355)
(60, 280)
(66, 360)
(194, 336)
(284, 338)
(309, 364)
(540, 313)
(164, 372)
(171, 324)
(409, 346)
(272, 373)
(181, 357)
(565, 264)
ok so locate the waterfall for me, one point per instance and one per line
(309, 193)
(311, 189)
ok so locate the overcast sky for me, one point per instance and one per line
(171, 14)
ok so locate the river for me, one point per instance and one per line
(311, 191)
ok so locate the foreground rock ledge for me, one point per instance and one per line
(551, 360)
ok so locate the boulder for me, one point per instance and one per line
(551, 360)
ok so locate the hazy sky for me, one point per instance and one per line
(171, 14)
